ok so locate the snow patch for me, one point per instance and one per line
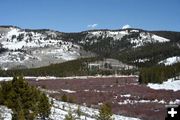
(170, 84)
(5, 113)
(72, 77)
(170, 60)
(68, 91)
(126, 95)
(59, 78)
(86, 90)
(160, 39)
(6, 78)
(142, 60)
(145, 37)
(128, 101)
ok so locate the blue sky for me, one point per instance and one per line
(79, 15)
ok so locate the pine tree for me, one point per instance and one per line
(21, 115)
(44, 108)
(105, 112)
(26, 101)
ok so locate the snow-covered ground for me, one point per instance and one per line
(31, 49)
(170, 84)
(60, 109)
(144, 37)
(73, 77)
(147, 38)
(142, 60)
(6, 78)
(171, 60)
(159, 39)
(128, 101)
(5, 113)
(68, 91)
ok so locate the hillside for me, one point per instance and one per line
(25, 48)
(22, 48)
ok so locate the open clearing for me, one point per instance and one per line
(125, 94)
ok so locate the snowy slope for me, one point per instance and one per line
(60, 109)
(170, 84)
(28, 48)
(35, 48)
(142, 37)
(170, 60)
(145, 37)
(17, 38)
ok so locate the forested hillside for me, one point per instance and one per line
(134, 46)
(158, 74)
(70, 68)
(41, 52)
(172, 35)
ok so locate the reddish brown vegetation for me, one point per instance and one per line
(99, 90)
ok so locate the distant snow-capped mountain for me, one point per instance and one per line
(25, 48)
(136, 37)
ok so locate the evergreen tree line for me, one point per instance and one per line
(154, 52)
(26, 101)
(77, 67)
(70, 68)
(106, 46)
(158, 74)
(122, 49)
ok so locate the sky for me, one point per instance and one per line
(80, 15)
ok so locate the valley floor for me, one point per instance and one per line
(126, 95)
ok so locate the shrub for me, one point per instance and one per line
(105, 112)
(69, 116)
(64, 98)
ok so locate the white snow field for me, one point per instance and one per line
(170, 84)
(5, 113)
(171, 60)
(60, 109)
(35, 49)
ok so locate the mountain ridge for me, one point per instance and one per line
(99, 29)
(127, 45)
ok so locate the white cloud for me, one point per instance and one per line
(126, 26)
(92, 25)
